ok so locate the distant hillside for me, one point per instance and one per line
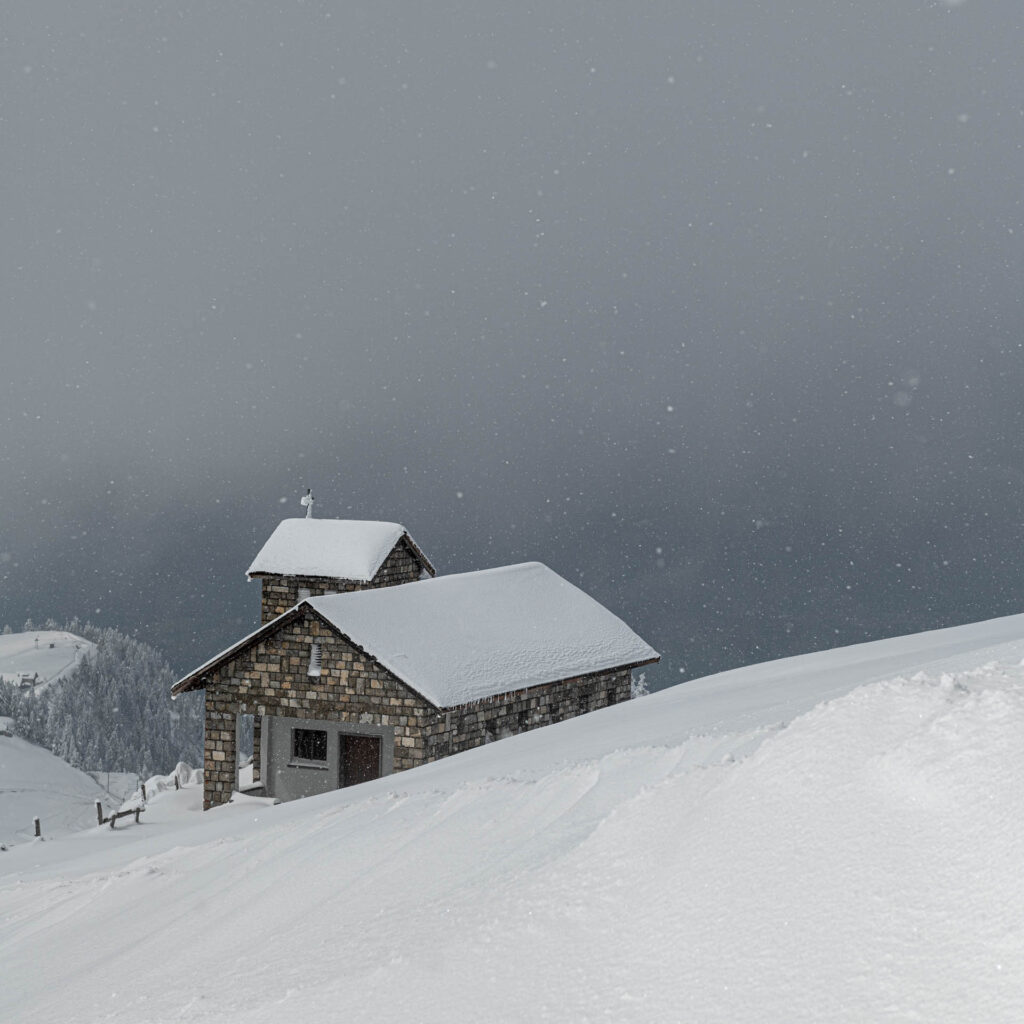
(34, 659)
(37, 784)
(112, 711)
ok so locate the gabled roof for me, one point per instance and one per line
(457, 639)
(346, 549)
(460, 638)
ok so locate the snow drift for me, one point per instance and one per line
(731, 850)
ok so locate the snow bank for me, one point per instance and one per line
(183, 775)
(861, 865)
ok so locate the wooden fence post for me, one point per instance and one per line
(99, 813)
(38, 827)
(177, 785)
(143, 791)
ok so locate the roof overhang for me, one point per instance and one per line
(416, 550)
(197, 678)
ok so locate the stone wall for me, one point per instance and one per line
(510, 713)
(282, 592)
(401, 566)
(272, 678)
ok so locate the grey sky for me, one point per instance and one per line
(712, 307)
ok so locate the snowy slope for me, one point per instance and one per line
(729, 850)
(48, 654)
(36, 784)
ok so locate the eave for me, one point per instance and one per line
(196, 679)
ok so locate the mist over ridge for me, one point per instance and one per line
(714, 311)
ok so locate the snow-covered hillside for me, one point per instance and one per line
(36, 784)
(730, 850)
(41, 657)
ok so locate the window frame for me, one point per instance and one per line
(302, 759)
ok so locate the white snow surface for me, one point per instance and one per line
(37, 784)
(46, 653)
(477, 634)
(348, 549)
(836, 837)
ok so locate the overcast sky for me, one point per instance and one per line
(714, 308)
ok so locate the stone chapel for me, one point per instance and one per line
(368, 663)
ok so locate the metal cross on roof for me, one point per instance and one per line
(307, 500)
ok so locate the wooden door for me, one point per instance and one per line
(360, 759)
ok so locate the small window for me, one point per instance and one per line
(309, 744)
(314, 660)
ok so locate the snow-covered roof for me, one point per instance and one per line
(347, 549)
(456, 639)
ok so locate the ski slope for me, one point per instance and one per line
(835, 837)
(44, 654)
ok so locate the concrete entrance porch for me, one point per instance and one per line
(304, 756)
